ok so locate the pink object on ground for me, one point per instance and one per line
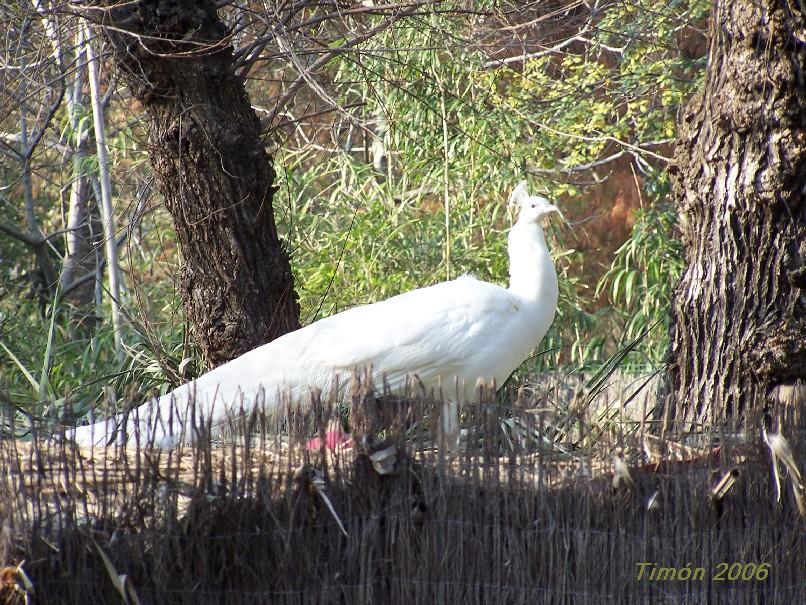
(333, 439)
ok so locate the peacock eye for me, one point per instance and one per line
(533, 206)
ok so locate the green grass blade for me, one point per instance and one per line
(598, 381)
(22, 368)
(44, 381)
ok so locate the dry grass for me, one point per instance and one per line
(523, 511)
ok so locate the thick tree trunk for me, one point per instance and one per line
(212, 170)
(738, 338)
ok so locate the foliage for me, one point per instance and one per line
(456, 128)
(643, 274)
(58, 367)
(457, 132)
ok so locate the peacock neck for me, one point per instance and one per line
(532, 276)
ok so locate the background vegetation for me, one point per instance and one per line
(397, 181)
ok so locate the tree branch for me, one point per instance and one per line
(327, 56)
(26, 238)
(536, 55)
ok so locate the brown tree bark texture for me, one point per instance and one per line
(739, 312)
(212, 169)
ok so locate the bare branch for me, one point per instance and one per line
(26, 238)
(536, 55)
(105, 186)
(328, 56)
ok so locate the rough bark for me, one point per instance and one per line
(212, 170)
(738, 335)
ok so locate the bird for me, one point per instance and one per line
(447, 335)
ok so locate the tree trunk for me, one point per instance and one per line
(212, 170)
(105, 201)
(79, 257)
(738, 336)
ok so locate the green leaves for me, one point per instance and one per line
(451, 125)
(359, 238)
(643, 274)
(22, 368)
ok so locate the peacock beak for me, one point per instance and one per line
(552, 209)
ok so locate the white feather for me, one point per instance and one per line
(451, 334)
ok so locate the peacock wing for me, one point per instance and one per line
(431, 332)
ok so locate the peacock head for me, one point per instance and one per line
(533, 208)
